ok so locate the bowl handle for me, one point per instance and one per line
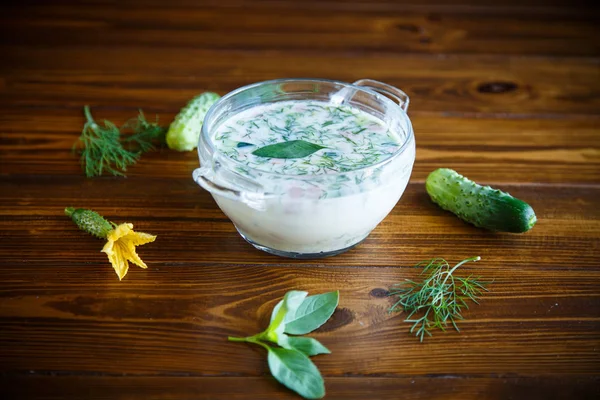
(388, 90)
(203, 177)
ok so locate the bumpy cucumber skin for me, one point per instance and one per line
(185, 129)
(89, 221)
(481, 206)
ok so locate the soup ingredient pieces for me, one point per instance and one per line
(104, 148)
(121, 239)
(289, 361)
(437, 300)
(481, 206)
(288, 135)
(185, 129)
(290, 149)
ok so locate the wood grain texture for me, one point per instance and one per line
(453, 388)
(177, 311)
(189, 222)
(273, 28)
(505, 93)
(461, 86)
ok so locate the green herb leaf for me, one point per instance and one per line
(146, 135)
(306, 345)
(291, 301)
(101, 148)
(106, 149)
(439, 299)
(289, 363)
(296, 371)
(243, 144)
(311, 314)
(290, 149)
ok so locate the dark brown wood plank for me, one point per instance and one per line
(193, 229)
(273, 28)
(518, 7)
(507, 87)
(166, 320)
(410, 388)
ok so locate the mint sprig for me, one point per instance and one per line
(289, 363)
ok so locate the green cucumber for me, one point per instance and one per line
(185, 129)
(89, 221)
(481, 206)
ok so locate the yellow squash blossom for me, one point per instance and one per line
(120, 248)
(121, 239)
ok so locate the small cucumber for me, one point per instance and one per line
(89, 221)
(481, 206)
(185, 129)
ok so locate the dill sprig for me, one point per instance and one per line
(439, 299)
(105, 149)
(146, 135)
(102, 149)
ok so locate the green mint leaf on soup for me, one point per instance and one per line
(290, 149)
(295, 370)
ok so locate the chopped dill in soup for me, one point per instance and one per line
(328, 138)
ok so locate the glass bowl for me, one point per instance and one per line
(314, 215)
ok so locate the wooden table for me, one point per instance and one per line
(506, 93)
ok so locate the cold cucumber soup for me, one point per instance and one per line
(329, 199)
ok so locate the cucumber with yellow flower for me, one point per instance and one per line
(121, 240)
